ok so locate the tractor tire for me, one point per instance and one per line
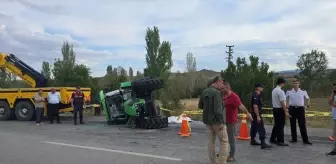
(24, 111)
(5, 111)
(158, 122)
(148, 82)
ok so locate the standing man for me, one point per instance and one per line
(280, 113)
(39, 107)
(54, 100)
(77, 102)
(232, 104)
(213, 117)
(297, 108)
(332, 102)
(258, 121)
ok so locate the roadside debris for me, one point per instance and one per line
(177, 120)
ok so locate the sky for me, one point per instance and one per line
(112, 32)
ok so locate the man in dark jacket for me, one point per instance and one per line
(258, 121)
(213, 117)
(77, 102)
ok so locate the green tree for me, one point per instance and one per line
(46, 71)
(242, 77)
(122, 77)
(312, 66)
(191, 62)
(191, 73)
(115, 72)
(122, 71)
(158, 56)
(4, 78)
(130, 73)
(110, 80)
(109, 70)
(174, 92)
(67, 73)
(139, 74)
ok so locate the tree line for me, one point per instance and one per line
(242, 74)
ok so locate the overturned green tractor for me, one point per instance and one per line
(133, 105)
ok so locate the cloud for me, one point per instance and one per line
(112, 32)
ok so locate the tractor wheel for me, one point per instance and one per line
(152, 122)
(24, 111)
(5, 111)
(148, 82)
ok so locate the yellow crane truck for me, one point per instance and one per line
(18, 103)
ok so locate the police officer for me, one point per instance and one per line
(258, 123)
(297, 108)
(77, 102)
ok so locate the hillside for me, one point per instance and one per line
(288, 73)
(204, 72)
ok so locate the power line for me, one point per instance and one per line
(230, 52)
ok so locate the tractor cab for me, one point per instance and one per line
(114, 101)
(126, 88)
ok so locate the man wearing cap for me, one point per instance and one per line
(54, 100)
(214, 117)
(258, 122)
(297, 108)
(280, 113)
(77, 102)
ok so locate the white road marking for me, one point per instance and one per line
(114, 151)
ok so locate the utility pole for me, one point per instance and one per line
(230, 52)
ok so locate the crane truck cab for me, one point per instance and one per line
(17, 103)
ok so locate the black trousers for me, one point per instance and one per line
(97, 111)
(279, 125)
(258, 128)
(53, 111)
(298, 113)
(39, 114)
(78, 109)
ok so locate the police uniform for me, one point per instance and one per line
(78, 102)
(297, 111)
(258, 127)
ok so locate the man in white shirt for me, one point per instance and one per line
(54, 100)
(280, 113)
(332, 102)
(295, 101)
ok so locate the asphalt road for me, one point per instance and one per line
(94, 142)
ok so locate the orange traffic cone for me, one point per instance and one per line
(185, 128)
(332, 138)
(243, 133)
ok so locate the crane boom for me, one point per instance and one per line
(14, 65)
